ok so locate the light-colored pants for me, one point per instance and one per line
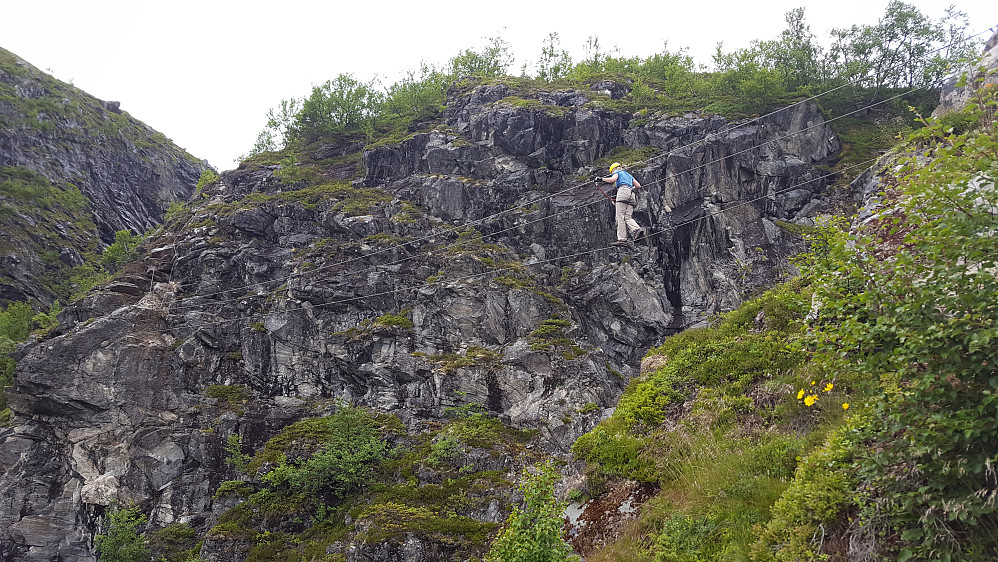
(624, 211)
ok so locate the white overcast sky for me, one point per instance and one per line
(205, 72)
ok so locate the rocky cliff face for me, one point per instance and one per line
(466, 265)
(56, 144)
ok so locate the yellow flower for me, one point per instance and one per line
(810, 400)
(800, 394)
(845, 406)
(828, 387)
(812, 383)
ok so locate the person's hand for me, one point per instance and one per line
(597, 179)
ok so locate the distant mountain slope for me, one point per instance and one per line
(73, 170)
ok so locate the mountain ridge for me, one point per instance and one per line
(56, 138)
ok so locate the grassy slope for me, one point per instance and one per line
(41, 215)
(750, 467)
(717, 426)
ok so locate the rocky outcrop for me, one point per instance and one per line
(952, 97)
(52, 133)
(727, 184)
(382, 294)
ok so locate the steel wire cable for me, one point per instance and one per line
(466, 278)
(707, 138)
(704, 165)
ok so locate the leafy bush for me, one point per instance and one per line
(732, 354)
(208, 177)
(337, 105)
(493, 60)
(234, 455)
(533, 529)
(231, 397)
(611, 450)
(122, 542)
(175, 543)
(818, 495)
(15, 325)
(554, 61)
(175, 211)
(550, 335)
(444, 450)
(121, 251)
(908, 305)
(352, 450)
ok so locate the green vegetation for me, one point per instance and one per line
(908, 310)
(533, 530)
(234, 455)
(40, 216)
(474, 355)
(17, 321)
(25, 186)
(430, 511)
(333, 196)
(316, 473)
(122, 542)
(121, 251)
(385, 324)
(550, 336)
(175, 543)
(352, 450)
(870, 374)
(208, 177)
(685, 426)
(233, 488)
(231, 397)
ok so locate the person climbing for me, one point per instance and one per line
(624, 201)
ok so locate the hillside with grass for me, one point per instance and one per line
(847, 414)
(399, 330)
(74, 171)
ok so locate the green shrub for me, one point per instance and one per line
(399, 321)
(234, 455)
(444, 450)
(233, 488)
(175, 211)
(15, 325)
(208, 177)
(685, 538)
(231, 397)
(391, 521)
(121, 542)
(533, 529)
(121, 251)
(353, 447)
(175, 542)
(820, 492)
(907, 310)
(550, 335)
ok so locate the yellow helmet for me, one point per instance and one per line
(614, 166)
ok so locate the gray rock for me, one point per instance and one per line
(128, 173)
(290, 302)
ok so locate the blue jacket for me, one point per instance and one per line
(623, 178)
